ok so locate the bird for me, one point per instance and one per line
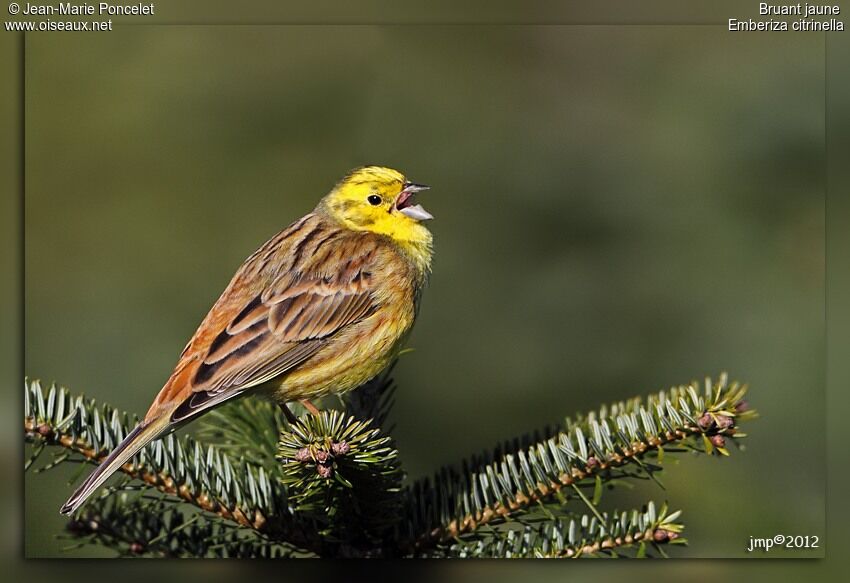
(320, 308)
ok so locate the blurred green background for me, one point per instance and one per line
(618, 209)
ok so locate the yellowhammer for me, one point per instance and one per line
(321, 307)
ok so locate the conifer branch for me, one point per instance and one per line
(622, 534)
(134, 526)
(205, 477)
(332, 484)
(344, 476)
(588, 449)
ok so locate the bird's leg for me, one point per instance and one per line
(310, 407)
(287, 412)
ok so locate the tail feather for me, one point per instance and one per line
(143, 434)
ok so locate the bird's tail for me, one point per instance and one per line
(144, 433)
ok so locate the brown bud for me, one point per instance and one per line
(742, 406)
(324, 470)
(717, 440)
(137, 548)
(672, 535)
(705, 421)
(45, 430)
(341, 448)
(724, 421)
(592, 462)
(660, 535)
(322, 456)
(302, 455)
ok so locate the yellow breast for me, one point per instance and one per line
(361, 351)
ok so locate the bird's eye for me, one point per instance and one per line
(374, 199)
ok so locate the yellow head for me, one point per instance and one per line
(380, 200)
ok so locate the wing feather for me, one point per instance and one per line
(278, 329)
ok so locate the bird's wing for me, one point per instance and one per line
(276, 329)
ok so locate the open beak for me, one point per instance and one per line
(404, 203)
